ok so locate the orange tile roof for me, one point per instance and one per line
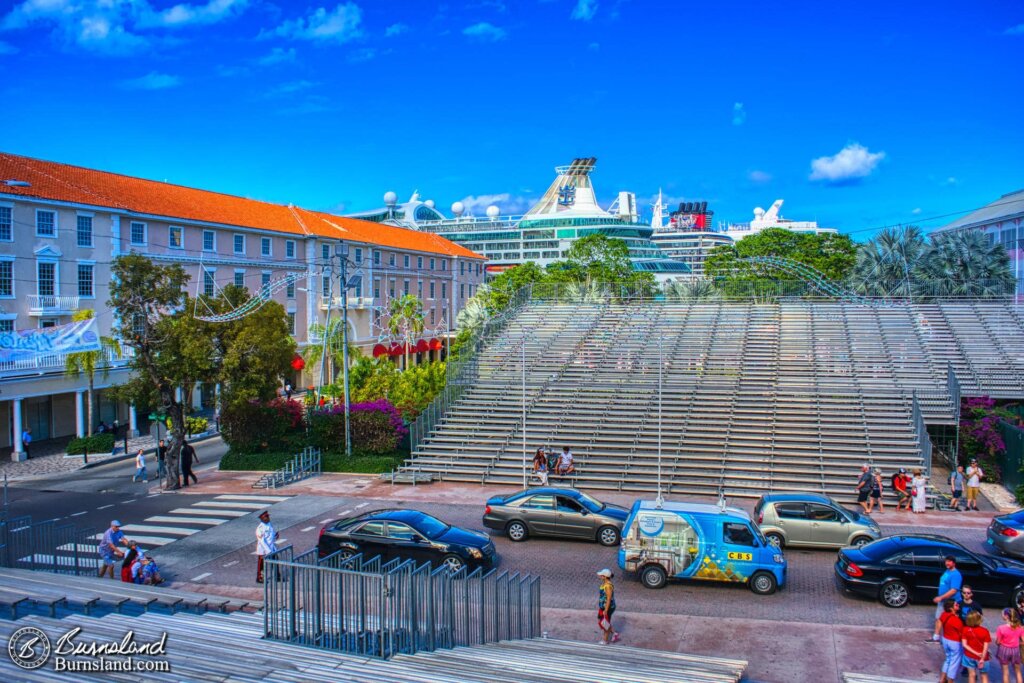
(62, 182)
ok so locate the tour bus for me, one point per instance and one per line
(701, 542)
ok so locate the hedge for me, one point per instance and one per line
(360, 462)
(97, 443)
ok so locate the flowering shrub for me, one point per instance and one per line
(377, 427)
(255, 427)
(979, 435)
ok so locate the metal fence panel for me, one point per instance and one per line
(1012, 460)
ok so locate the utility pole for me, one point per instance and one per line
(342, 253)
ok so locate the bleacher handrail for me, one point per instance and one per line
(307, 463)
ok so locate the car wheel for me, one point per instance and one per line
(653, 576)
(608, 536)
(860, 541)
(776, 540)
(453, 563)
(1018, 595)
(763, 583)
(894, 594)
(516, 531)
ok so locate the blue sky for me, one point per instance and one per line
(859, 115)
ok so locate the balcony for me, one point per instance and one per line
(54, 363)
(354, 302)
(42, 305)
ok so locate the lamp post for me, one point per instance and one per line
(346, 284)
(523, 347)
(661, 363)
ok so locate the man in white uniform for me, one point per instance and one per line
(266, 543)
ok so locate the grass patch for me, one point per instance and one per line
(361, 463)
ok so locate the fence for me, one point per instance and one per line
(921, 430)
(47, 546)
(305, 464)
(378, 609)
(1011, 461)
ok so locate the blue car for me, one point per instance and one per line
(563, 512)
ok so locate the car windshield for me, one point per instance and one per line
(852, 514)
(591, 503)
(759, 534)
(431, 527)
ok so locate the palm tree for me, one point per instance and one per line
(88, 362)
(335, 339)
(695, 290)
(885, 263)
(964, 263)
(405, 319)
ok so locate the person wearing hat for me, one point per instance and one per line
(606, 608)
(900, 481)
(266, 543)
(108, 550)
(974, 475)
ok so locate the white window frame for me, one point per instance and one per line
(7, 318)
(56, 219)
(376, 257)
(56, 275)
(78, 279)
(234, 281)
(214, 234)
(212, 272)
(234, 243)
(269, 244)
(432, 263)
(92, 229)
(289, 290)
(292, 318)
(266, 277)
(289, 249)
(181, 233)
(358, 255)
(405, 261)
(325, 252)
(419, 263)
(433, 291)
(10, 207)
(145, 234)
(14, 282)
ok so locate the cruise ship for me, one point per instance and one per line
(688, 236)
(567, 211)
(772, 218)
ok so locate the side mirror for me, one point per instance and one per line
(584, 512)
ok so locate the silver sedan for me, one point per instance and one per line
(567, 513)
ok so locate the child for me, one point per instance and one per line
(1008, 637)
(976, 641)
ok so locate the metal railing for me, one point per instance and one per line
(305, 464)
(379, 609)
(48, 546)
(921, 431)
(47, 302)
(110, 359)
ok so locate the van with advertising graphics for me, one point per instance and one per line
(700, 542)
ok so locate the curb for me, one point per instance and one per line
(148, 451)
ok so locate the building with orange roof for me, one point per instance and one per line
(61, 226)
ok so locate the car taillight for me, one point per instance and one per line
(1007, 531)
(854, 570)
(322, 530)
(760, 517)
(487, 510)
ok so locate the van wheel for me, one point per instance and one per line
(776, 540)
(516, 531)
(763, 583)
(608, 536)
(653, 576)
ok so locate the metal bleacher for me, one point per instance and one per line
(793, 395)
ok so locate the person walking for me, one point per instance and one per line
(974, 475)
(161, 460)
(919, 492)
(188, 457)
(876, 492)
(26, 440)
(606, 608)
(266, 542)
(950, 584)
(288, 391)
(1008, 641)
(900, 483)
(956, 487)
(108, 548)
(976, 643)
(952, 641)
(863, 488)
(967, 603)
(140, 467)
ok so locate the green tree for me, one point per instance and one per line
(88, 362)
(884, 263)
(335, 358)
(405, 319)
(964, 263)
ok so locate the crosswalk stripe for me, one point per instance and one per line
(152, 528)
(234, 504)
(210, 521)
(145, 540)
(269, 499)
(206, 511)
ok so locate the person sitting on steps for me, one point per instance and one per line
(565, 464)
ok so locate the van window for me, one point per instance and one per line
(737, 534)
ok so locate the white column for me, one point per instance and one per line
(18, 454)
(197, 396)
(133, 422)
(79, 414)
(177, 394)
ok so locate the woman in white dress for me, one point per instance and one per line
(919, 491)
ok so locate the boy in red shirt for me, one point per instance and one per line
(976, 641)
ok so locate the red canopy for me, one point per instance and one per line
(435, 344)
(396, 349)
(380, 350)
(422, 346)
(298, 362)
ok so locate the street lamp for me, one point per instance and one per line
(346, 284)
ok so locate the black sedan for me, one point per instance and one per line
(407, 535)
(901, 569)
(555, 512)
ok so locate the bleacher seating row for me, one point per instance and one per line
(775, 396)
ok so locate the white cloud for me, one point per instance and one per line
(290, 88)
(916, 211)
(850, 164)
(759, 177)
(509, 204)
(364, 54)
(739, 114)
(7, 48)
(152, 81)
(950, 181)
(340, 25)
(184, 14)
(395, 30)
(1017, 30)
(594, 47)
(277, 56)
(484, 31)
(584, 10)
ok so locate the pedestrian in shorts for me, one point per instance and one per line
(956, 487)
(606, 608)
(864, 487)
(108, 548)
(974, 475)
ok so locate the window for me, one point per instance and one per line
(85, 280)
(790, 511)
(239, 243)
(376, 289)
(376, 258)
(371, 529)
(291, 323)
(568, 505)
(405, 261)
(462, 267)
(967, 564)
(419, 262)
(359, 290)
(209, 240)
(289, 248)
(400, 532)
(462, 291)
(208, 288)
(431, 264)
(431, 289)
(6, 326)
(419, 289)
(7, 278)
(737, 534)
(290, 290)
(444, 290)
(539, 503)
(325, 252)
(359, 255)
(239, 278)
(478, 269)
(264, 279)
(174, 240)
(46, 224)
(265, 247)
(391, 259)
(46, 282)
(137, 233)
(823, 513)
(1009, 238)
(325, 286)
(83, 230)
(405, 289)
(6, 221)
(391, 291)
(444, 264)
